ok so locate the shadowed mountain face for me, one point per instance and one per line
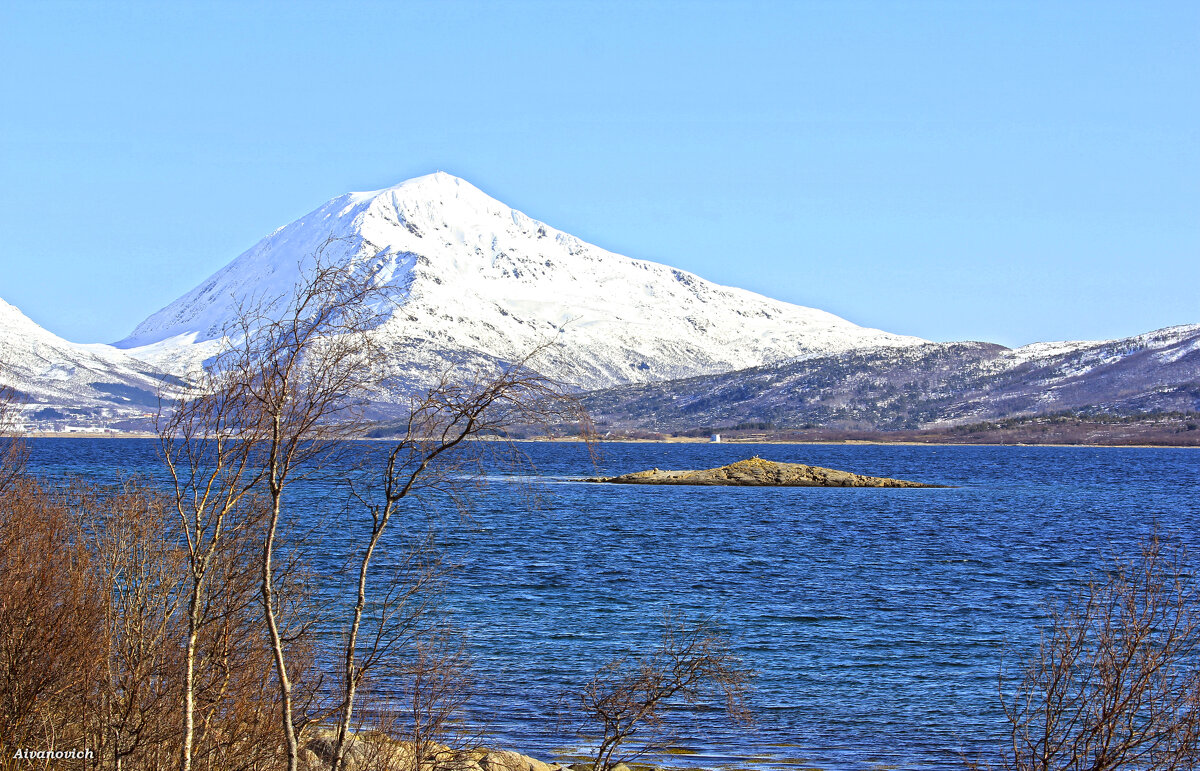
(921, 386)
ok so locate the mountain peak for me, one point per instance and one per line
(439, 183)
(480, 282)
(14, 321)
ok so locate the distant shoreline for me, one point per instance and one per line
(871, 443)
(686, 440)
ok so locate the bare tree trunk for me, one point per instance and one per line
(268, 599)
(189, 680)
(351, 672)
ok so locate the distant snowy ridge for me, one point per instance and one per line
(925, 386)
(482, 282)
(98, 382)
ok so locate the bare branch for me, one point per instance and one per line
(1115, 683)
(624, 704)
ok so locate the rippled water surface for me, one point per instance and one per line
(875, 618)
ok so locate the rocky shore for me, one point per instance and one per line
(756, 472)
(376, 751)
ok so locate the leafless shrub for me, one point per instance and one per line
(1115, 683)
(93, 631)
(411, 708)
(133, 711)
(436, 688)
(624, 705)
(52, 612)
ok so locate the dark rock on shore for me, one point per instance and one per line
(756, 472)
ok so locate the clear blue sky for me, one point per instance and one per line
(1008, 171)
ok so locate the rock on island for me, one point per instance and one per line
(756, 472)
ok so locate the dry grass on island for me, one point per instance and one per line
(757, 472)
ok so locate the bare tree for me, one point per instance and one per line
(1115, 683)
(624, 705)
(441, 443)
(370, 656)
(237, 701)
(188, 605)
(274, 405)
(278, 405)
(303, 373)
(208, 441)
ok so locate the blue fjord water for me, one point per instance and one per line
(875, 619)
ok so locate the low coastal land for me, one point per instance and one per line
(756, 472)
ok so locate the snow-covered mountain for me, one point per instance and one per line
(476, 282)
(479, 281)
(70, 382)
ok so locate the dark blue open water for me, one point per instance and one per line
(875, 618)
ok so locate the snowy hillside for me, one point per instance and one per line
(925, 386)
(480, 281)
(75, 383)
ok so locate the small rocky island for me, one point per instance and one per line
(756, 472)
